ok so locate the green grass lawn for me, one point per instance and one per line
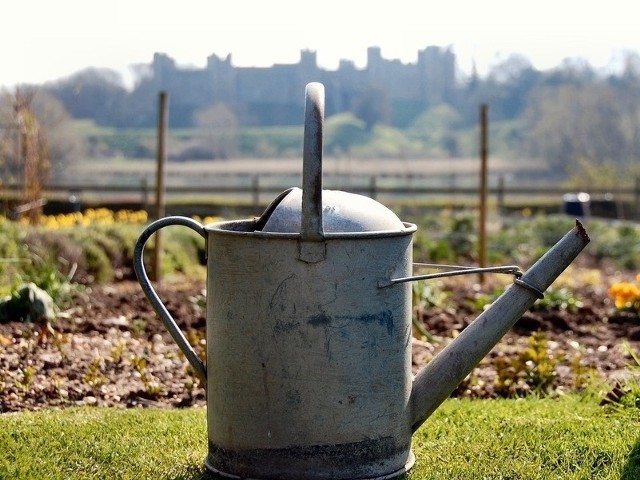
(570, 438)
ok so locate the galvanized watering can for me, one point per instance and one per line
(308, 370)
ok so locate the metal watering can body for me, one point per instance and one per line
(308, 360)
(308, 369)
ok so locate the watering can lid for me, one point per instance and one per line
(342, 212)
(312, 212)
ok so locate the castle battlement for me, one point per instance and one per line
(272, 95)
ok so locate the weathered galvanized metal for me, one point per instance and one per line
(308, 369)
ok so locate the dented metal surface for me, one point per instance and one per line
(307, 354)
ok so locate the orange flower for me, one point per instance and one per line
(625, 295)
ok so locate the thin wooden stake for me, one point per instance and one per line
(160, 176)
(484, 153)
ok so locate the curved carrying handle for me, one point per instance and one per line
(158, 306)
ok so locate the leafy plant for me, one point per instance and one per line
(532, 369)
(197, 339)
(94, 375)
(558, 299)
(626, 393)
(117, 352)
(446, 237)
(619, 242)
(138, 326)
(427, 294)
(462, 234)
(482, 300)
(151, 384)
(26, 379)
(183, 250)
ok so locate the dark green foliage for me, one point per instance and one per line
(446, 237)
(558, 299)
(99, 253)
(343, 132)
(452, 237)
(27, 303)
(183, 250)
(620, 241)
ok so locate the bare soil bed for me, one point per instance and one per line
(110, 349)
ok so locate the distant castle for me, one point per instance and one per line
(275, 95)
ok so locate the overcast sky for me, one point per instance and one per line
(43, 40)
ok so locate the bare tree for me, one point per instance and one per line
(66, 146)
(37, 139)
(24, 148)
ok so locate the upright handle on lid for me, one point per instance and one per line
(311, 224)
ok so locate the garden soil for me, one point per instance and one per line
(110, 349)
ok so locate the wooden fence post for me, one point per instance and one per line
(144, 194)
(484, 150)
(637, 198)
(255, 190)
(500, 194)
(160, 176)
(373, 186)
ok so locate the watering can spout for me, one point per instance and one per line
(435, 382)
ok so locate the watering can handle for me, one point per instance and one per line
(138, 266)
(311, 227)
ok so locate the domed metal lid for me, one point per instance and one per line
(341, 212)
(312, 211)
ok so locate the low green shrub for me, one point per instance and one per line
(451, 237)
(619, 242)
(446, 237)
(533, 369)
(184, 251)
(65, 251)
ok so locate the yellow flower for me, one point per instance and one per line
(98, 216)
